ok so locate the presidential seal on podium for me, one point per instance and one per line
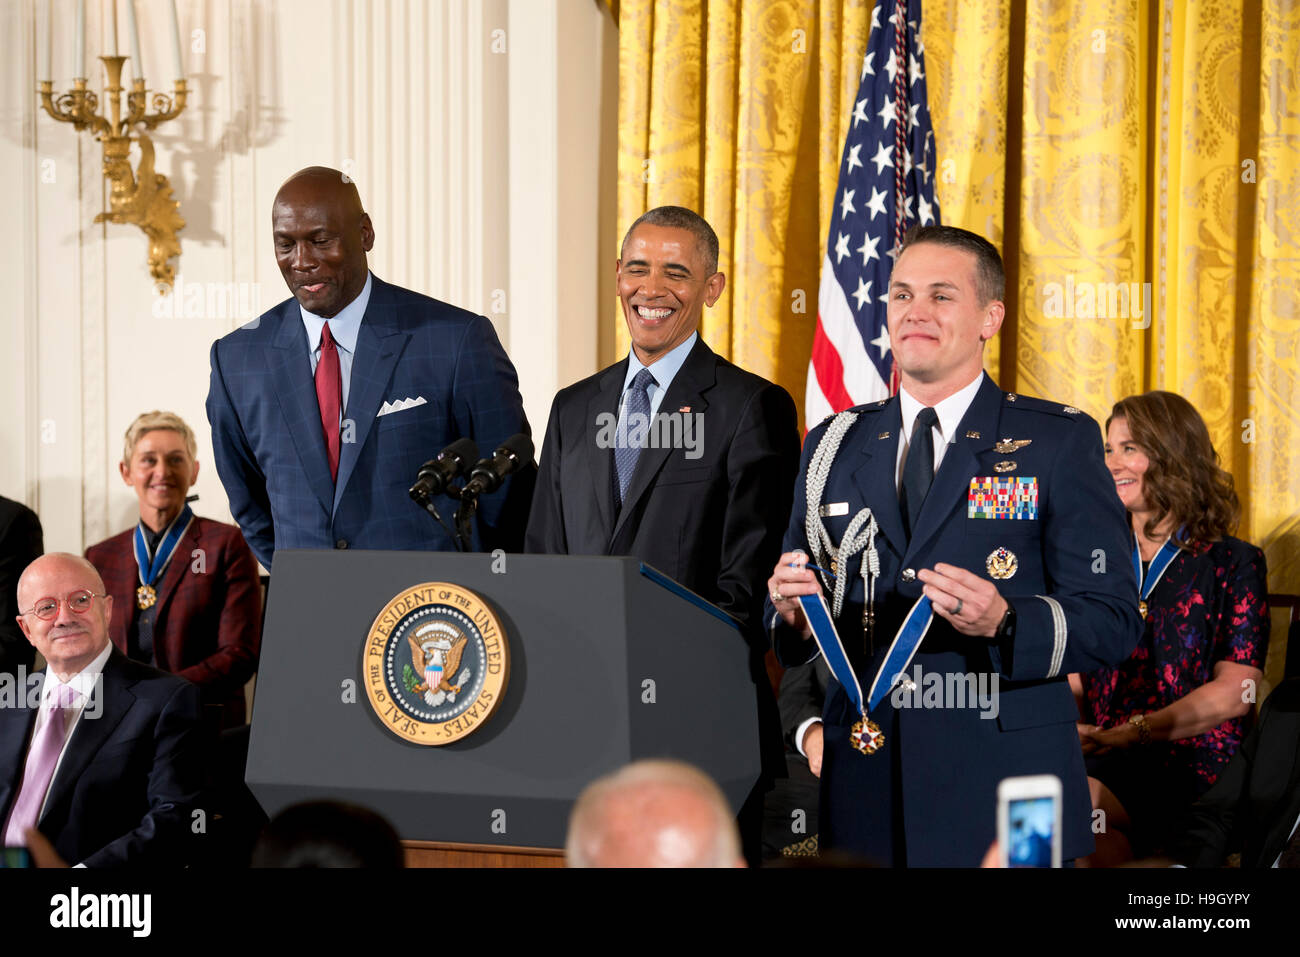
(435, 663)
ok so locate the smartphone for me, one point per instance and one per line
(15, 857)
(1029, 821)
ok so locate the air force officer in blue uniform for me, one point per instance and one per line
(1009, 523)
(323, 408)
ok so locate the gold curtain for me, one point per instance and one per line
(1097, 142)
(739, 110)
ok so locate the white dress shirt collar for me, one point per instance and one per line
(950, 412)
(83, 681)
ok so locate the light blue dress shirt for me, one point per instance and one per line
(664, 370)
(344, 328)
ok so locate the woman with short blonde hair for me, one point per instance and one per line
(186, 587)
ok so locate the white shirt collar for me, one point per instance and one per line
(344, 326)
(83, 681)
(950, 410)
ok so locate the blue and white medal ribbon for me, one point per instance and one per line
(146, 595)
(1168, 551)
(902, 650)
(866, 735)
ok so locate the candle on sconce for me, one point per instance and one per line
(79, 50)
(112, 25)
(137, 63)
(119, 115)
(176, 44)
(46, 49)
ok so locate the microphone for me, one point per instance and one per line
(488, 474)
(436, 474)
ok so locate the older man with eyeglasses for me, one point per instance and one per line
(102, 755)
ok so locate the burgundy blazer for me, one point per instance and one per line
(209, 624)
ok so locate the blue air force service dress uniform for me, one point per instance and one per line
(1022, 498)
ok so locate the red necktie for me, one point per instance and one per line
(329, 394)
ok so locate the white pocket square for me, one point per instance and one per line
(398, 405)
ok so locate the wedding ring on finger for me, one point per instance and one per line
(957, 610)
(777, 596)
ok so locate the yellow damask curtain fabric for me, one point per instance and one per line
(1138, 163)
(738, 110)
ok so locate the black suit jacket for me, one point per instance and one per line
(130, 777)
(802, 696)
(711, 518)
(1256, 799)
(20, 545)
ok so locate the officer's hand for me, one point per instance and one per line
(788, 583)
(972, 604)
(813, 746)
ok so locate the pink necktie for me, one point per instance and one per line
(42, 757)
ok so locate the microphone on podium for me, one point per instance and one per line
(487, 475)
(513, 454)
(438, 473)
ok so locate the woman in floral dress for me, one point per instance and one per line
(1158, 728)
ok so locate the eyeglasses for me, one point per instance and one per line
(48, 608)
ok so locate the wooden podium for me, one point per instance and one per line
(434, 854)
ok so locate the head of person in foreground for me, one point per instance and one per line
(653, 814)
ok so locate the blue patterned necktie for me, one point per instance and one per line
(625, 454)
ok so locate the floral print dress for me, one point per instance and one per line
(1209, 606)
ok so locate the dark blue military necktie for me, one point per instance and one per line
(626, 453)
(918, 470)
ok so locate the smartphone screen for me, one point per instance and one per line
(1030, 821)
(15, 857)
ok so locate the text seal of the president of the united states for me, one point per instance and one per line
(435, 664)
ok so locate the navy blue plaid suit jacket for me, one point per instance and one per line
(270, 452)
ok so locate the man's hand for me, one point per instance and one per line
(970, 603)
(813, 745)
(787, 584)
(42, 851)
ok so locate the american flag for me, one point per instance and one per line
(886, 186)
